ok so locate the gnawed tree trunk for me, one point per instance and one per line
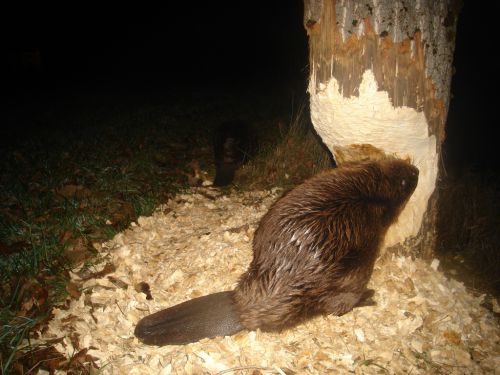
(380, 74)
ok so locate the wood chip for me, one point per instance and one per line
(200, 242)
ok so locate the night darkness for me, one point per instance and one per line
(472, 124)
(111, 111)
(229, 44)
(206, 43)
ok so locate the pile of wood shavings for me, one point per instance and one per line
(200, 243)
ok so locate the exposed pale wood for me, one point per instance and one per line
(408, 45)
(401, 67)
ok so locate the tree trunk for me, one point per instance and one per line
(380, 74)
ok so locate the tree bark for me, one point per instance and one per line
(380, 75)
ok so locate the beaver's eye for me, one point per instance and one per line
(403, 183)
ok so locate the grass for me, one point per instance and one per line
(298, 154)
(91, 165)
(78, 176)
(88, 167)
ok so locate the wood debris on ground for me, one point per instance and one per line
(200, 242)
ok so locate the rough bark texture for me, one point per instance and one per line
(408, 47)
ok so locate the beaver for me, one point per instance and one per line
(234, 144)
(313, 253)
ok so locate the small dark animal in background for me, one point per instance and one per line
(234, 145)
(313, 253)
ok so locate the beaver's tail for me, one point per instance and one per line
(208, 316)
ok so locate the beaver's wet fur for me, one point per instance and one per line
(313, 253)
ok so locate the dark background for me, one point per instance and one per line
(211, 45)
(472, 124)
(202, 43)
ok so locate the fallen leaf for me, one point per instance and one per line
(143, 287)
(194, 178)
(123, 215)
(65, 236)
(82, 358)
(16, 247)
(77, 250)
(47, 358)
(14, 212)
(73, 191)
(73, 290)
(33, 297)
(108, 268)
